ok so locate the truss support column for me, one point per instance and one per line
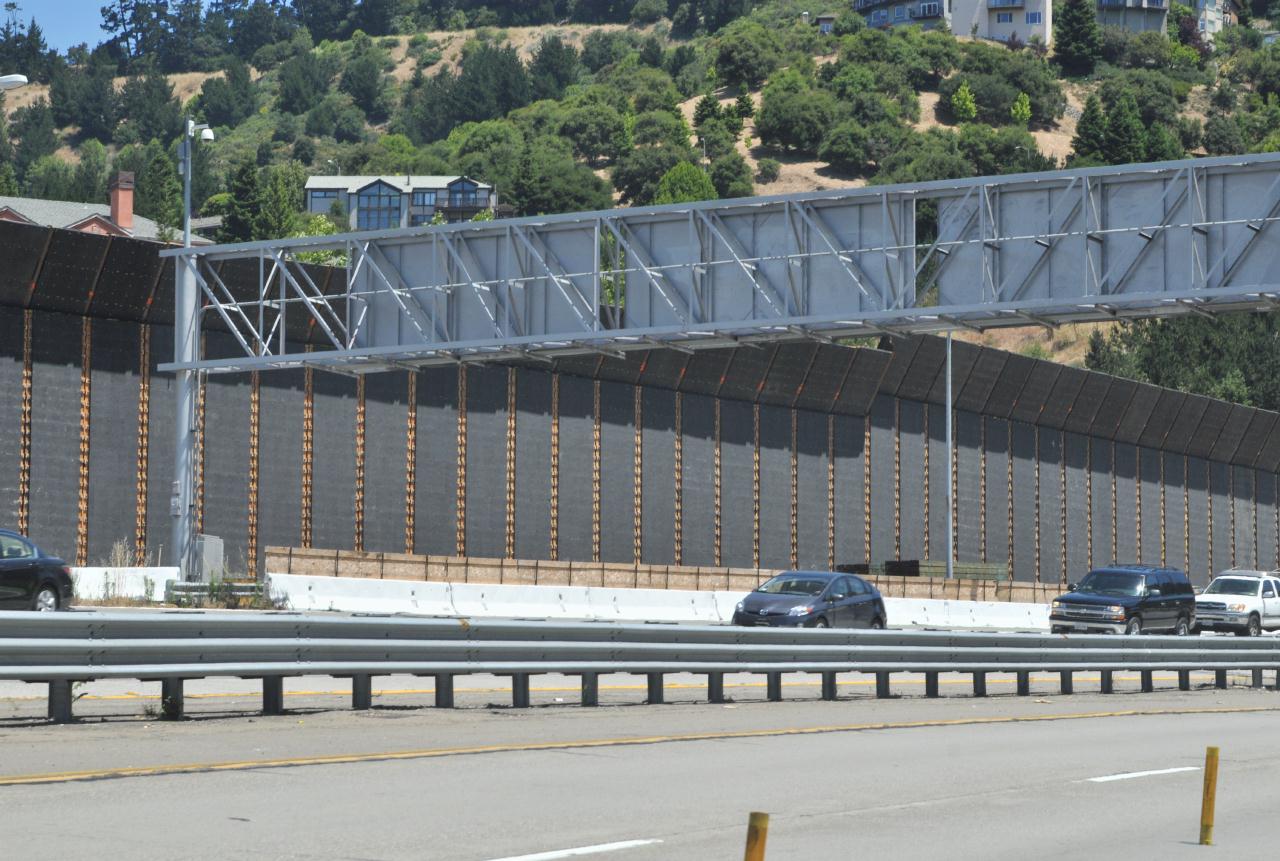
(951, 471)
(185, 351)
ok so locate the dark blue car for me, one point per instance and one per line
(813, 599)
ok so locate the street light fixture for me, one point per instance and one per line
(12, 82)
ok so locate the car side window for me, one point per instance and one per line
(842, 587)
(1268, 591)
(15, 548)
(859, 587)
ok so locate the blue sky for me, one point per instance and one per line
(66, 22)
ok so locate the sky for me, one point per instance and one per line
(65, 22)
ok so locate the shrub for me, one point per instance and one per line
(768, 170)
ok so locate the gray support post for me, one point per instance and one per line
(951, 471)
(1148, 682)
(828, 686)
(1184, 680)
(1066, 681)
(60, 701)
(655, 688)
(186, 349)
(362, 692)
(1024, 683)
(520, 690)
(1256, 682)
(272, 695)
(715, 687)
(979, 684)
(1108, 682)
(882, 686)
(773, 687)
(1219, 678)
(444, 691)
(931, 685)
(171, 699)
(591, 689)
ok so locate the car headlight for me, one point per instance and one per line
(1115, 608)
(740, 605)
(802, 610)
(1056, 604)
(1235, 607)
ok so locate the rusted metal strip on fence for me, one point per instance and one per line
(144, 446)
(866, 488)
(795, 488)
(928, 549)
(24, 430)
(955, 489)
(1275, 507)
(1257, 545)
(755, 486)
(1088, 497)
(831, 492)
(982, 483)
(202, 394)
(86, 395)
(1062, 509)
(357, 542)
(255, 440)
(1186, 512)
(1137, 500)
(677, 534)
(553, 527)
(637, 465)
(716, 491)
(460, 517)
(411, 465)
(1231, 508)
(308, 452)
(1036, 429)
(511, 463)
(1008, 427)
(1115, 511)
(1164, 510)
(897, 477)
(1208, 495)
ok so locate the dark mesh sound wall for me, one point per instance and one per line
(1246, 550)
(55, 432)
(1175, 512)
(659, 488)
(882, 485)
(1268, 537)
(811, 475)
(1151, 519)
(113, 427)
(1126, 465)
(1200, 567)
(226, 477)
(334, 481)
(912, 442)
(736, 447)
(1104, 552)
(937, 480)
(1219, 478)
(486, 460)
(161, 430)
(775, 487)
(1051, 501)
(577, 419)
(533, 464)
(1076, 450)
(850, 516)
(280, 460)
(698, 485)
(436, 472)
(11, 397)
(386, 405)
(1025, 558)
(997, 490)
(968, 433)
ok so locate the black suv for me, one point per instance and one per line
(30, 579)
(1126, 599)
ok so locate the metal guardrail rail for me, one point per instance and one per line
(170, 647)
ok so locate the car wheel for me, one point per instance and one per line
(877, 624)
(46, 600)
(1133, 626)
(1181, 629)
(820, 623)
(1253, 629)
(1197, 630)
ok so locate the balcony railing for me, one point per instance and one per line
(1006, 4)
(927, 10)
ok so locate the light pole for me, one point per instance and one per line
(12, 82)
(186, 349)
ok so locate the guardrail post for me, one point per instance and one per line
(1065, 682)
(931, 685)
(1257, 679)
(520, 690)
(590, 689)
(757, 836)
(362, 692)
(1108, 682)
(1219, 678)
(655, 689)
(1024, 683)
(171, 699)
(444, 691)
(60, 701)
(773, 687)
(1148, 683)
(1184, 680)
(882, 686)
(828, 686)
(715, 687)
(979, 684)
(272, 695)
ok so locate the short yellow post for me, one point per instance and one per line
(757, 834)
(1210, 792)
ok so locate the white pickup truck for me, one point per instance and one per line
(1244, 602)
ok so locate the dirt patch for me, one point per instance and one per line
(1066, 345)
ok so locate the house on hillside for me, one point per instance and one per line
(382, 202)
(1136, 16)
(114, 218)
(999, 20)
(1214, 15)
(826, 22)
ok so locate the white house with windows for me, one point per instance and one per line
(382, 202)
(1136, 16)
(999, 20)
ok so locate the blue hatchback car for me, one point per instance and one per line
(813, 599)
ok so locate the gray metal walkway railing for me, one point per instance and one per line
(170, 647)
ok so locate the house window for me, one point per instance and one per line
(378, 208)
(464, 194)
(1004, 17)
(424, 198)
(899, 13)
(322, 201)
(417, 219)
(1035, 17)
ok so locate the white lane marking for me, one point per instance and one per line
(1132, 774)
(581, 850)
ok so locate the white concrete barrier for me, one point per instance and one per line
(132, 584)
(525, 602)
(653, 605)
(355, 595)
(942, 613)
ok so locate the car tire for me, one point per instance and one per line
(46, 599)
(877, 624)
(1252, 629)
(820, 622)
(1133, 626)
(1196, 630)
(1181, 628)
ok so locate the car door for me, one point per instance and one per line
(1271, 604)
(839, 609)
(18, 564)
(1158, 612)
(863, 602)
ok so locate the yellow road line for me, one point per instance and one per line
(625, 741)
(562, 690)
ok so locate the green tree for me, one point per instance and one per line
(746, 54)
(8, 180)
(239, 221)
(303, 83)
(90, 181)
(549, 181)
(963, 107)
(684, 183)
(149, 107)
(594, 129)
(745, 107)
(1124, 141)
(845, 148)
(33, 128)
(1077, 38)
(554, 67)
(794, 115)
(1021, 110)
(158, 194)
(231, 99)
(636, 172)
(50, 178)
(364, 82)
(1090, 138)
(731, 176)
(1163, 145)
(707, 108)
(279, 201)
(1222, 136)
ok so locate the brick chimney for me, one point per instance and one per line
(122, 200)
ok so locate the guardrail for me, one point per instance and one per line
(170, 647)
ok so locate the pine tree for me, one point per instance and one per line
(1021, 110)
(1077, 38)
(1124, 141)
(962, 104)
(239, 223)
(1091, 132)
(159, 194)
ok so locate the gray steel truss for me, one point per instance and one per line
(1049, 248)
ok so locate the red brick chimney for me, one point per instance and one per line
(122, 200)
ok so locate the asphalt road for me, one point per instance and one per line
(957, 777)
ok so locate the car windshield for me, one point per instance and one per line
(1111, 583)
(1232, 586)
(791, 584)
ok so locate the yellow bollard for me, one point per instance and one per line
(757, 834)
(1210, 792)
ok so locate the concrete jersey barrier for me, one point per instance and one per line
(134, 584)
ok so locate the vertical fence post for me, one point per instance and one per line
(444, 691)
(60, 700)
(171, 699)
(715, 687)
(273, 695)
(590, 689)
(1209, 797)
(655, 688)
